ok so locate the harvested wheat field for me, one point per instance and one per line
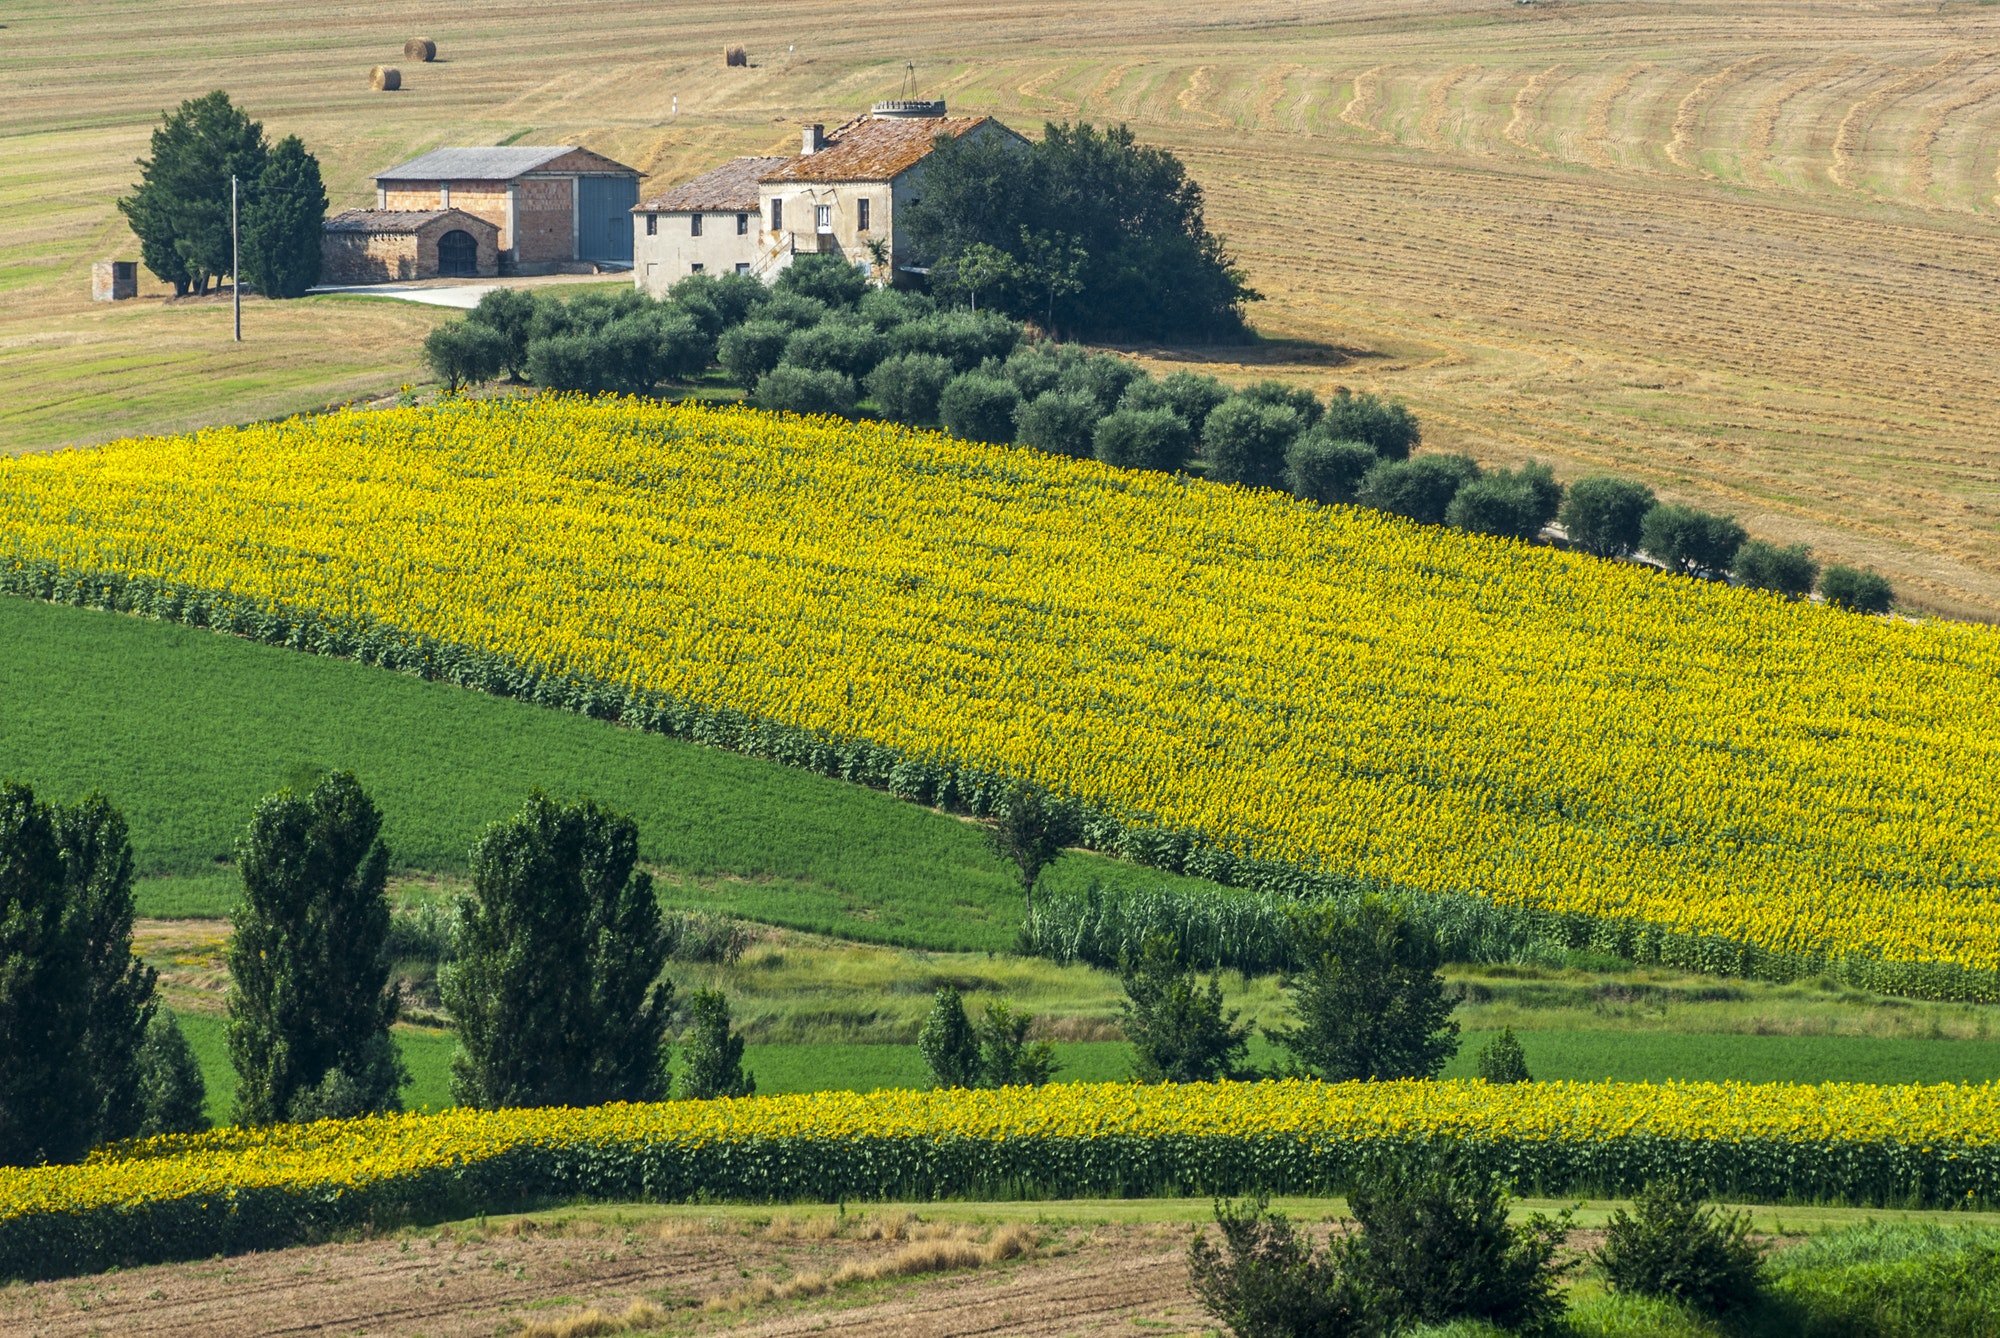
(546, 1278)
(1747, 252)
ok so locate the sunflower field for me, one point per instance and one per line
(237, 1188)
(1222, 674)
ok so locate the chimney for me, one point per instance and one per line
(814, 139)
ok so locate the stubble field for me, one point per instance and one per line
(1745, 252)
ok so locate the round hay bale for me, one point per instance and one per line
(420, 49)
(385, 79)
(735, 55)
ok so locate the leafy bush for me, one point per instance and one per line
(1435, 1245)
(1278, 395)
(1856, 590)
(1244, 441)
(1007, 1058)
(568, 362)
(799, 390)
(1179, 1031)
(1788, 571)
(1604, 516)
(1890, 1281)
(906, 387)
(1421, 489)
(965, 339)
(845, 346)
(1142, 439)
(717, 302)
(887, 308)
(1691, 542)
(1325, 471)
(828, 278)
(510, 313)
(1191, 395)
(705, 936)
(749, 351)
(1366, 997)
(171, 1098)
(1038, 368)
(1507, 504)
(1269, 1282)
(1104, 377)
(464, 352)
(948, 1041)
(793, 310)
(1502, 1059)
(711, 1054)
(1675, 1245)
(1059, 422)
(1387, 426)
(978, 407)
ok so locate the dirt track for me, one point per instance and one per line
(1083, 1280)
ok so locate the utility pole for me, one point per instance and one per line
(235, 261)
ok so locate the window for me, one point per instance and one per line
(823, 217)
(861, 215)
(694, 225)
(694, 268)
(652, 225)
(777, 215)
(742, 267)
(742, 225)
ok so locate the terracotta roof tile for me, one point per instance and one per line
(730, 188)
(866, 149)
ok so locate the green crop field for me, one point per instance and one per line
(185, 729)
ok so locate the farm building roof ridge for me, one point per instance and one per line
(498, 162)
(732, 186)
(873, 149)
(391, 220)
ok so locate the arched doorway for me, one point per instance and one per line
(458, 255)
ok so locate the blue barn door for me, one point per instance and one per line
(604, 217)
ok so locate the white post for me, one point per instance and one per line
(235, 261)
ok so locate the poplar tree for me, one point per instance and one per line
(311, 1006)
(44, 1098)
(556, 989)
(119, 988)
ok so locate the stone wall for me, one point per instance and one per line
(370, 257)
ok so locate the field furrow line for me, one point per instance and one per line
(1270, 92)
(1524, 106)
(1933, 125)
(1035, 90)
(1853, 126)
(1757, 149)
(1687, 116)
(1597, 122)
(1192, 99)
(1438, 102)
(1367, 100)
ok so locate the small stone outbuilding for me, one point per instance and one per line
(384, 245)
(559, 207)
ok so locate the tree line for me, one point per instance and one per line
(554, 975)
(179, 210)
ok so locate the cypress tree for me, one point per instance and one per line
(711, 1054)
(45, 1107)
(180, 208)
(281, 228)
(556, 989)
(949, 1043)
(119, 988)
(310, 1010)
(172, 1098)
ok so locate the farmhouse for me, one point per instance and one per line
(552, 207)
(384, 245)
(841, 195)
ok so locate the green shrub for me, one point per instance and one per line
(1142, 439)
(1435, 1245)
(749, 351)
(1507, 504)
(464, 353)
(828, 278)
(711, 1054)
(1789, 571)
(1036, 369)
(1387, 426)
(1104, 377)
(1191, 395)
(1675, 1245)
(171, 1096)
(1856, 590)
(1421, 489)
(1059, 422)
(1366, 997)
(1179, 1031)
(1890, 1281)
(510, 313)
(799, 390)
(705, 936)
(1604, 516)
(1268, 1281)
(1502, 1059)
(845, 346)
(906, 387)
(965, 339)
(978, 407)
(1325, 471)
(1007, 1058)
(1244, 441)
(887, 308)
(1278, 395)
(1691, 542)
(949, 1043)
(568, 362)
(717, 302)
(793, 310)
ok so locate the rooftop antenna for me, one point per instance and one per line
(909, 80)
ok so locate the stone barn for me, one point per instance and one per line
(557, 207)
(384, 245)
